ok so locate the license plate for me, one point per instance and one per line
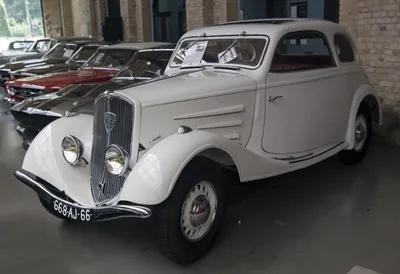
(74, 213)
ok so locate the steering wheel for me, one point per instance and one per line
(246, 51)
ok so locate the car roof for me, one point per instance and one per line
(71, 38)
(269, 27)
(137, 45)
(97, 44)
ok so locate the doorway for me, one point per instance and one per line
(169, 20)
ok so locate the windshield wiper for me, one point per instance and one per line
(194, 43)
(243, 33)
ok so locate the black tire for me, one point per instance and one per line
(354, 157)
(171, 241)
(49, 209)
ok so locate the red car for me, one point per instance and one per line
(101, 67)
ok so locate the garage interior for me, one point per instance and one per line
(328, 218)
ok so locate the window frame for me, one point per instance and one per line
(351, 43)
(315, 32)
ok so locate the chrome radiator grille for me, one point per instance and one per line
(104, 185)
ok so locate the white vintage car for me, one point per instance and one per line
(261, 98)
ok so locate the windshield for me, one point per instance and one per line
(83, 54)
(147, 64)
(235, 51)
(110, 58)
(61, 51)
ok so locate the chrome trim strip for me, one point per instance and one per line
(116, 211)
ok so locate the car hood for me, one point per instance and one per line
(63, 79)
(49, 68)
(189, 86)
(75, 98)
(12, 53)
(30, 63)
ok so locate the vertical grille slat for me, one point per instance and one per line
(120, 135)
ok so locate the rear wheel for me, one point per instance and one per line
(362, 137)
(189, 220)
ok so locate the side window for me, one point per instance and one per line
(344, 49)
(302, 51)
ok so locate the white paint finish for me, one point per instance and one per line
(313, 111)
(154, 176)
(196, 85)
(361, 270)
(239, 123)
(212, 112)
(221, 125)
(45, 160)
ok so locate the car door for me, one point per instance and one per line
(307, 104)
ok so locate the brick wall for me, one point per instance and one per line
(201, 13)
(375, 24)
(136, 20)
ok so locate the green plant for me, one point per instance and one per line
(4, 29)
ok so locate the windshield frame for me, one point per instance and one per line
(135, 56)
(216, 37)
(46, 55)
(70, 60)
(99, 49)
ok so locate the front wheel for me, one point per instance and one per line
(362, 137)
(190, 219)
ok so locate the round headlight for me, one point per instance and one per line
(116, 160)
(72, 149)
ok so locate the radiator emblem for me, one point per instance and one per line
(109, 121)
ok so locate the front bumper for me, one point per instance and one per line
(100, 213)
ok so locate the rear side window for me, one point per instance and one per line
(302, 51)
(344, 49)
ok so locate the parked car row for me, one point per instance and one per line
(146, 130)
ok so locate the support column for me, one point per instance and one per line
(66, 17)
(81, 17)
(199, 13)
(52, 18)
(136, 20)
(225, 11)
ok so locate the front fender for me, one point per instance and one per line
(153, 177)
(44, 157)
(363, 92)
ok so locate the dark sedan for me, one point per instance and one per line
(34, 114)
(76, 61)
(59, 54)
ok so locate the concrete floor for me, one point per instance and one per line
(325, 219)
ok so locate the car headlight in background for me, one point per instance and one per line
(116, 160)
(72, 149)
(10, 90)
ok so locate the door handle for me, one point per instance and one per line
(272, 99)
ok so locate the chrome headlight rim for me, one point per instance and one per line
(78, 151)
(124, 166)
(10, 90)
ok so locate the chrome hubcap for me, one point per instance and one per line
(198, 211)
(360, 133)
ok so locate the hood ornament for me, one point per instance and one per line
(109, 121)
